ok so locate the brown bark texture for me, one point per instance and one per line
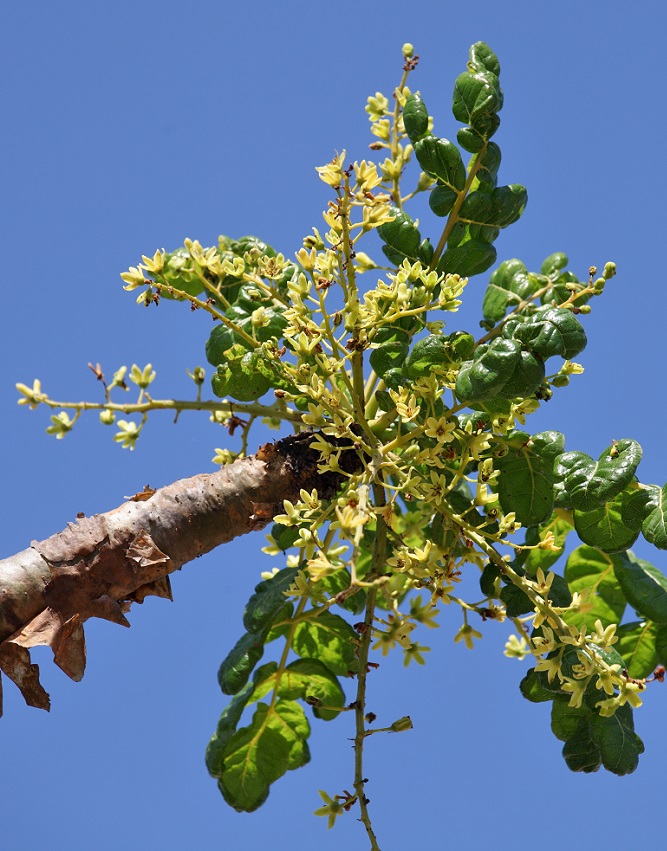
(98, 566)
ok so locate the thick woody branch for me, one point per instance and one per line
(98, 566)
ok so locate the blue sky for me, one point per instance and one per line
(130, 126)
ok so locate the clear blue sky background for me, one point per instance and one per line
(131, 125)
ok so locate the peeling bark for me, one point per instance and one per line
(98, 566)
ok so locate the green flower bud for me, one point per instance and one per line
(403, 724)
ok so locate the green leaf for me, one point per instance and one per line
(437, 353)
(488, 579)
(637, 645)
(533, 688)
(525, 484)
(468, 258)
(402, 238)
(565, 719)
(330, 639)
(180, 272)
(586, 484)
(268, 604)
(527, 376)
(222, 338)
(618, 744)
(661, 643)
(554, 263)
(256, 756)
(508, 285)
(588, 571)
(489, 163)
(549, 331)
(482, 58)
(306, 679)
(654, 527)
(499, 208)
(441, 159)
(644, 586)
(388, 356)
(415, 117)
(240, 376)
(339, 581)
(225, 730)
(580, 751)
(516, 601)
(284, 536)
(486, 375)
(614, 526)
(477, 97)
(442, 199)
(239, 663)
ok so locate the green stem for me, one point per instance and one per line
(377, 566)
(177, 405)
(454, 214)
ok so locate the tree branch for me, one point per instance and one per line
(98, 566)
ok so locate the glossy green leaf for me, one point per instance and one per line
(501, 207)
(565, 719)
(516, 601)
(534, 688)
(486, 375)
(330, 639)
(661, 643)
(580, 751)
(225, 730)
(180, 272)
(619, 745)
(284, 536)
(586, 484)
(470, 140)
(644, 586)
(269, 603)
(614, 526)
(654, 527)
(257, 755)
(401, 237)
(591, 573)
(438, 352)
(637, 645)
(549, 331)
(388, 356)
(239, 377)
(310, 680)
(477, 97)
(441, 200)
(525, 484)
(489, 163)
(508, 285)
(441, 159)
(526, 378)
(488, 581)
(469, 258)
(222, 338)
(239, 663)
(554, 263)
(482, 58)
(415, 117)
